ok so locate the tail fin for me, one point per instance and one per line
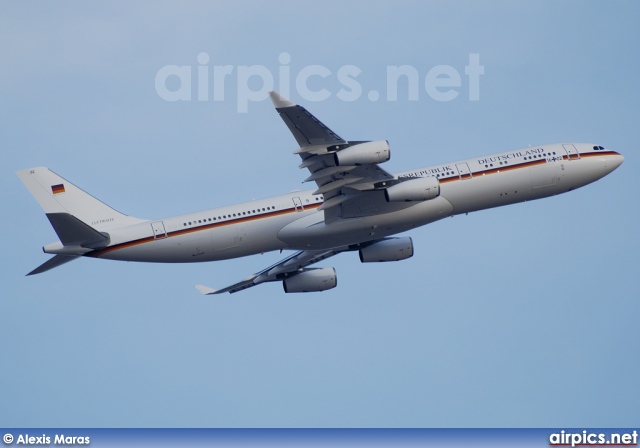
(58, 195)
(80, 220)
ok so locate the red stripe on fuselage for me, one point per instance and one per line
(213, 225)
(542, 161)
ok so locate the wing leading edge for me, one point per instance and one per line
(290, 266)
(346, 174)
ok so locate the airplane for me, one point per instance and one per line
(356, 206)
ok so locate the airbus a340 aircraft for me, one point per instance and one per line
(357, 206)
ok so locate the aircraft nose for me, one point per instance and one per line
(614, 161)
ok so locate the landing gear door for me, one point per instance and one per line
(572, 152)
(463, 170)
(158, 230)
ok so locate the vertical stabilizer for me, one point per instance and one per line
(57, 195)
(81, 221)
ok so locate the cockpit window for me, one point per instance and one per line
(598, 148)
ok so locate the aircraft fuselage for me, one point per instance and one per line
(293, 221)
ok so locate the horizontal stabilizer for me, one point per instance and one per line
(73, 232)
(54, 262)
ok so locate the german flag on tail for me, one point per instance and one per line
(57, 189)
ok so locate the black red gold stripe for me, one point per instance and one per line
(213, 225)
(493, 170)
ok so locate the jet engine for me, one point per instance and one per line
(363, 154)
(311, 280)
(390, 249)
(417, 189)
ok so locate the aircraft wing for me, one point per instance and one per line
(346, 174)
(289, 266)
(345, 184)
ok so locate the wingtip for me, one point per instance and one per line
(279, 101)
(205, 290)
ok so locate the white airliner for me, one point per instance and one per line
(357, 206)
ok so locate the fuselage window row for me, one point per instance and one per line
(200, 221)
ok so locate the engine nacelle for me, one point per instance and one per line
(391, 249)
(363, 154)
(418, 189)
(311, 280)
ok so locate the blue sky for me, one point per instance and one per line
(521, 316)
